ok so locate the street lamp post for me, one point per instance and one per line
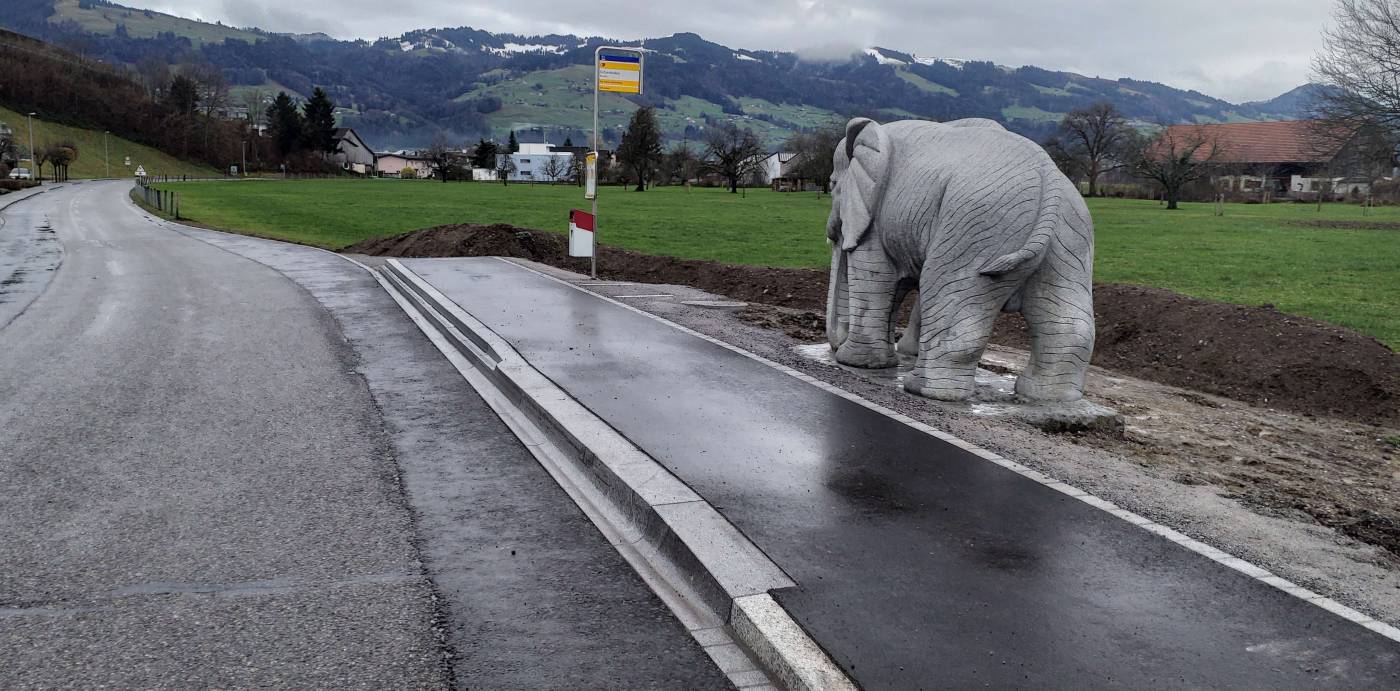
(244, 169)
(106, 153)
(33, 160)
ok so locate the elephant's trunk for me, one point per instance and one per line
(838, 303)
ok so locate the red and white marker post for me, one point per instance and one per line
(581, 235)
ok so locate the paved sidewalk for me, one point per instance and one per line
(919, 564)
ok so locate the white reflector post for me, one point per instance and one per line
(590, 175)
(580, 234)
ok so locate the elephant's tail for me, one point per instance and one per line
(1045, 226)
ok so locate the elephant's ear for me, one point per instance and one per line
(868, 150)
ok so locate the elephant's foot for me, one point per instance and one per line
(1033, 388)
(949, 385)
(867, 357)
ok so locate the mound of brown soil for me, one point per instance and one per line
(1350, 225)
(1253, 354)
(802, 288)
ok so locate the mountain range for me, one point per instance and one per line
(465, 83)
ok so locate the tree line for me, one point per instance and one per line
(71, 90)
(732, 153)
(185, 111)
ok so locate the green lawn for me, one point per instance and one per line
(1252, 255)
(759, 227)
(91, 162)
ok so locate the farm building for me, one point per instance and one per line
(1294, 158)
(352, 153)
(778, 170)
(392, 164)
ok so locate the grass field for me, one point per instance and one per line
(1252, 255)
(90, 163)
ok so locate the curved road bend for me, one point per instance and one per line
(203, 484)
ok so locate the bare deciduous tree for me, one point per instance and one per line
(816, 155)
(1090, 142)
(212, 91)
(440, 157)
(732, 152)
(1360, 61)
(555, 169)
(505, 165)
(254, 101)
(1177, 157)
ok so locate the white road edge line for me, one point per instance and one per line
(1201, 548)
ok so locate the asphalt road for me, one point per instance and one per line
(918, 564)
(215, 475)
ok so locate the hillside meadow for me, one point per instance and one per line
(91, 162)
(1254, 254)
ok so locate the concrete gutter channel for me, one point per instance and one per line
(714, 579)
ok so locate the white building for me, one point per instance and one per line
(533, 164)
(392, 164)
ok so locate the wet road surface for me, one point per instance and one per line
(919, 565)
(29, 254)
(213, 475)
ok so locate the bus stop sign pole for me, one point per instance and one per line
(615, 70)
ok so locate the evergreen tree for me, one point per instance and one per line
(183, 95)
(484, 155)
(318, 118)
(568, 141)
(640, 150)
(284, 121)
(512, 146)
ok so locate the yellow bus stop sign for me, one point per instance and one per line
(619, 71)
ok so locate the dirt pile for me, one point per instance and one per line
(1349, 225)
(1252, 354)
(800, 288)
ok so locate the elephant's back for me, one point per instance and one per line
(966, 146)
(978, 189)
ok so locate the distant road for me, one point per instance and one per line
(213, 475)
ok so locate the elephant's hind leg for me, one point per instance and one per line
(955, 322)
(1060, 314)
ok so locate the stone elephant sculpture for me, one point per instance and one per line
(976, 219)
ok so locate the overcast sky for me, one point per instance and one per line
(1238, 50)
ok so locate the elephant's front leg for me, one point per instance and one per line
(872, 283)
(955, 321)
